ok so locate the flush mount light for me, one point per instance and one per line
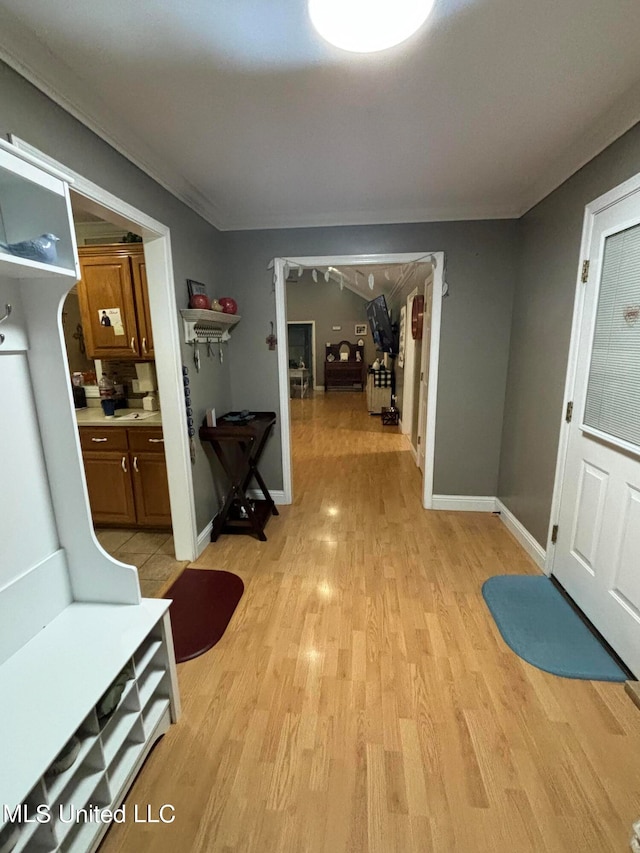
(366, 26)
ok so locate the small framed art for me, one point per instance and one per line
(360, 329)
(196, 287)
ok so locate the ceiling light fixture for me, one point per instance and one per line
(366, 26)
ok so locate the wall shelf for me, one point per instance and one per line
(200, 324)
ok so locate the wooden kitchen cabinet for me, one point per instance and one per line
(114, 277)
(151, 489)
(109, 485)
(127, 478)
(149, 477)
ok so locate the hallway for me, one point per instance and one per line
(362, 699)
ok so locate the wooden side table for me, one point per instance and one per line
(239, 445)
(299, 378)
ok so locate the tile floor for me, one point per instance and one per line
(151, 553)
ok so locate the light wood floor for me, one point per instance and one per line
(362, 699)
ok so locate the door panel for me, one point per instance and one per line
(597, 555)
(109, 487)
(143, 312)
(627, 573)
(106, 283)
(588, 517)
(151, 489)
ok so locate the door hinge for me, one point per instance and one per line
(421, 376)
(554, 533)
(419, 439)
(585, 271)
(569, 413)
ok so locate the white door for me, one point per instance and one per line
(597, 555)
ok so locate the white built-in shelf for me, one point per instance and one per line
(70, 663)
(14, 267)
(199, 321)
(33, 201)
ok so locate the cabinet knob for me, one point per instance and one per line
(156, 441)
(135, 464)
(144, 346)
(124, 464)
(133, 344)
(99, 439)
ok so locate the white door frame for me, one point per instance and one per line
(595, 207)
(409, 372)
(437, 260)
(314, 358)
(168, 359)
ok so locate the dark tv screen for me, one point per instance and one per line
(384, 336)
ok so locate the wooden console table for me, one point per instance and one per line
(340, 373)
(239, 445)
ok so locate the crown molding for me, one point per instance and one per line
(26, 54)
(621, 116)
(367, 217)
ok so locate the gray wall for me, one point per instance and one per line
(198, 249)
(329, 306)
(481, 268)
(541, 328)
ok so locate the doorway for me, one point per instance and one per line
(428, 387)
(163, 311)
(301, 342)
(594, 540)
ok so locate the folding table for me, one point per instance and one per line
(238, 444)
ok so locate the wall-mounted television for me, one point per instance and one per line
(383, 331)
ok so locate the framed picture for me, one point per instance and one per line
(361, 329)
(196, 287)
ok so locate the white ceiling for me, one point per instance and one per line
(244, 112)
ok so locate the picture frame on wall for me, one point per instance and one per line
(360, 329)
(196, 287)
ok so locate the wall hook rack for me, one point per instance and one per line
(201, 324)
(7, 313)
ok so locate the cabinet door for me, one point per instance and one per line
(139, 271)
(109, 485)
(107, 284)
(151, 489)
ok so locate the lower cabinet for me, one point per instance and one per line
(126, 477)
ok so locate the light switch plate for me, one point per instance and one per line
(337, 328)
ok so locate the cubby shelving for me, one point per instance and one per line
(110, 753)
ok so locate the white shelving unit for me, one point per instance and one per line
(72, 617)
(200, 324)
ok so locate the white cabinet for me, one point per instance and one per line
(72, 617)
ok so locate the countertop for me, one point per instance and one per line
(93, 416)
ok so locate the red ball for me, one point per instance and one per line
(229, 305)
(200, 300)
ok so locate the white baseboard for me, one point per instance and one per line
(277, 495)
(533, 548)
(204, 538)
(464, 503)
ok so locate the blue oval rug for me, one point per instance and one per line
(540, 625)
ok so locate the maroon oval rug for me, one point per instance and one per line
(203, 603)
